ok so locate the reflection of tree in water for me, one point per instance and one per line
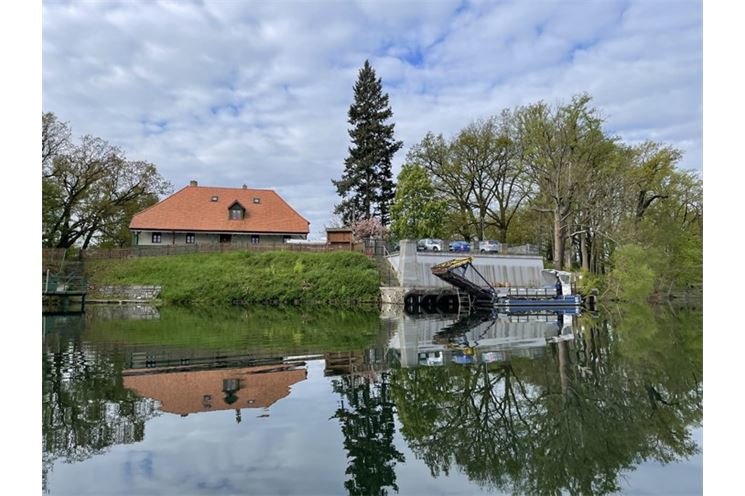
(86, 408)
(366, 416)
(569, 421)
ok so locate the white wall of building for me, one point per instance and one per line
(178, 238)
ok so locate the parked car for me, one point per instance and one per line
(490, 246)
(459, 246)
(429, 244)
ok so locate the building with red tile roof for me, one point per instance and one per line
(199, 214)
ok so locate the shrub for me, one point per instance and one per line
(632, 277)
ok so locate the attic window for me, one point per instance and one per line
(214, 198)
(237, 212)
(257, 199)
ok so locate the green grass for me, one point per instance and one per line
(281, 277)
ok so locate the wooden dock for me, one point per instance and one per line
(63, 293)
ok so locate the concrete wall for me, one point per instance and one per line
(414, 268)
(167, 238)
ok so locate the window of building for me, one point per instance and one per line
(190, 238)
(236, 213)
(254, 239)
(257, 199)
(214, 198)
(156, 237)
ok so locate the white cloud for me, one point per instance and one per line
(233, 92)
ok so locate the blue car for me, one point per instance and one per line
(460, 246)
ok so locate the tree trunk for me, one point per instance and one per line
(558, 241)
(503, 235)
(564, 362)
(583, 251)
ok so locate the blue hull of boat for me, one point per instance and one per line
(563, 301)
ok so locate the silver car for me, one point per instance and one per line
(490, 246)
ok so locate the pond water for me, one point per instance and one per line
(138, 400)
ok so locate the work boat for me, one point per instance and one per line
(555, 291)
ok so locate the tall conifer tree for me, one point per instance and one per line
(366, 186)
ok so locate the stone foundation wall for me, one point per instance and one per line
(392, 295)
(130, 292)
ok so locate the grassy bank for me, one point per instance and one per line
(281, 277)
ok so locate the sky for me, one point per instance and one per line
(236, 92)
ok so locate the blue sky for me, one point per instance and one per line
(233, 92)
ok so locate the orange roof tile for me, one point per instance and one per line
(202, 391)
(191, 209)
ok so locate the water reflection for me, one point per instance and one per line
(188, 392)
(479, 337)
(86, 407)
(366, 417)
(530, 403)
(567, 416)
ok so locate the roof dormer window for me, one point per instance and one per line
(236, 211)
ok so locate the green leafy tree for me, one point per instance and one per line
(416, 211)
(450, 180)
(481, 174)
(633, 275)
(366, 186)
(666, 240)
(90, 190)
(551, 176)
(562, 145)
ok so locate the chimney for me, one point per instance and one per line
(192, 183)
(245, 187)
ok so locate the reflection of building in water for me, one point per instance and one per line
(477, 338)
(223, 389)
(354, 362)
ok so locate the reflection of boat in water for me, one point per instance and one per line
(564, 301)
(481, 337)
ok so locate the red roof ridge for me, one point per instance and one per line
(241, 188)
